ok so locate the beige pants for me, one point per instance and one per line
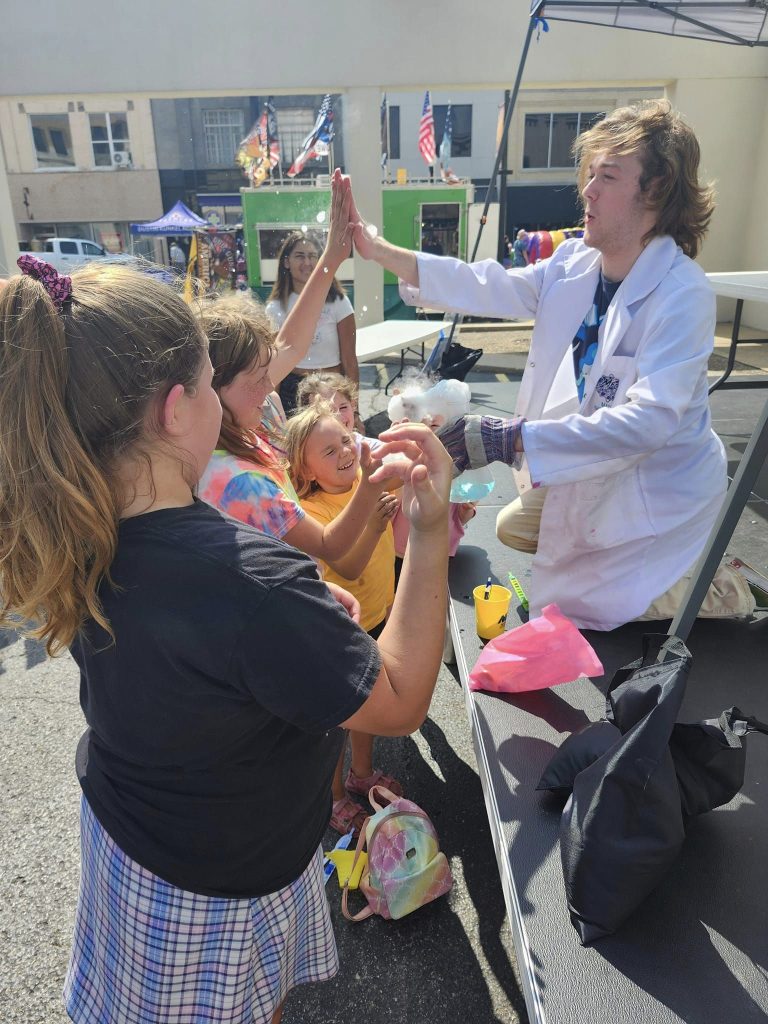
(728, 596)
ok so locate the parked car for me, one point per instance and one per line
(68, 253)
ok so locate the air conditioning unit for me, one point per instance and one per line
(121, 159)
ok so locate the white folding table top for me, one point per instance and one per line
(393, 335)
(750, 285)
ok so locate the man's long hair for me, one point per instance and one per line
(669, 153)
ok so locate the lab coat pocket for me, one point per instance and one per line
(612, 379)
(607, 512)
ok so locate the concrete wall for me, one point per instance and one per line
(255, 48)
(359, 48)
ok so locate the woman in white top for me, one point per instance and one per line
(333, 346)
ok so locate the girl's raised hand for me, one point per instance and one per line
(339, 244)
(425, 468)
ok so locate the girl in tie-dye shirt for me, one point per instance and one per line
(246, 476)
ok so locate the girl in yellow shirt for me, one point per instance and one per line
(325, 469)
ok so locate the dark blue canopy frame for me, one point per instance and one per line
(739, 22)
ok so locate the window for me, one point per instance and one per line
(90, 249)
(52, 139)
(65, 248)
(549, 138)
(461, 120)
(109, 137)
(393, 116)
(271, 238)
(223, 131)
(293, 126)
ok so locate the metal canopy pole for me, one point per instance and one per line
(735, 501)
(502, 144)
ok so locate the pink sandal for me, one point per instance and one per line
(347, 815)
(361, 787)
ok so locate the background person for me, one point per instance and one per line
(216, 668)
(333, 344)
(178, 258)
(520, 249)
(619, 471)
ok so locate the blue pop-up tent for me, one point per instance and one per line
(178, 221)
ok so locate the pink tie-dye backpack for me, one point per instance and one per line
(406, 868)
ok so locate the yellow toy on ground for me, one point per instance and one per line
(343, 860)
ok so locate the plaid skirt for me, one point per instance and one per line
(146, 952)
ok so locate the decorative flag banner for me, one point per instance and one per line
(317, 142)
(259, 151)
(445, 145)
(384, 131)
(427, 132)
(273, 139)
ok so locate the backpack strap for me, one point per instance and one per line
(377, 793)
(367, 911)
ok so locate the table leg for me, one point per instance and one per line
(732, 349)
(399, 373)
(735, 500)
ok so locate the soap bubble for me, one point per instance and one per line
(365, 309)
(303, 229)
(320, 217)
(325, 270)
(371, 230)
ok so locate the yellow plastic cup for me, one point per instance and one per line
(491, 615)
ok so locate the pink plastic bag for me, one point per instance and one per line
(545, 651)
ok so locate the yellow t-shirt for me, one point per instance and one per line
(375, 588)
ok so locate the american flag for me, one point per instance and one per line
(317, 142)
(427, 132)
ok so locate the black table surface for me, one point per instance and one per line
(697, 949)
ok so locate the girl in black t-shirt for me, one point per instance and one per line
(215, 666)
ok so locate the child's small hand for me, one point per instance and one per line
(385, 510)
(426, 470)
(467, 511)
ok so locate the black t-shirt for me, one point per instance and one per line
(213, 719)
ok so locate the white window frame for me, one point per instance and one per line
(111, 144)
(552, 114)
(50, 167)
(222, 127)
(293, 126)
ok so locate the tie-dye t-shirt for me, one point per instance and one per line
(260, 496)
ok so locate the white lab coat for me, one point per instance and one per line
(635, 473)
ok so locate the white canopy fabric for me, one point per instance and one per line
(740, 22)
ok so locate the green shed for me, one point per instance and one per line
(420, 215)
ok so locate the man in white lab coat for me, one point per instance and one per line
(619, 471)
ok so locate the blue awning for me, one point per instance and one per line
(178, 221)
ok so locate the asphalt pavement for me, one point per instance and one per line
(450, 962)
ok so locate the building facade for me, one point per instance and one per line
(80, 166)
(363, 50)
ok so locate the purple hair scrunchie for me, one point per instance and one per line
(58, 286)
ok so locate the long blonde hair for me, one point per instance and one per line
(323, 382)
(80, 391)
(297, 433)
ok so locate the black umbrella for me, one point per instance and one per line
(634, 779)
